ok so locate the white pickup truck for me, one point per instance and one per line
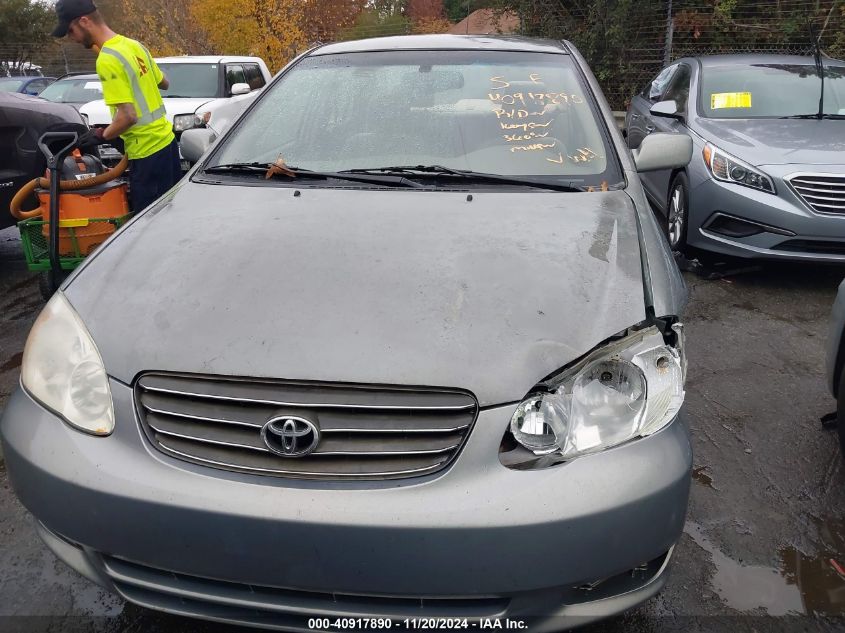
(207, 90)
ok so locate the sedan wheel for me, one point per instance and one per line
(676, 215)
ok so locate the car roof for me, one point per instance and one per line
(761, 58)
(85, 76)
(205, 59)
(79, 75)
(25, 78)
(446, 42)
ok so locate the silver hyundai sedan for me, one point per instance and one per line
(428, 364)
(767, 178)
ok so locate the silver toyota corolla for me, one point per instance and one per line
(767, 178)
(429, 364)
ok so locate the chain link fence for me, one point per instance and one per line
(627, 43)
(54, 59)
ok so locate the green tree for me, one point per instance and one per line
(25, 27)
(457, 10)
(381, 18)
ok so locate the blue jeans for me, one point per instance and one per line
(153, 176)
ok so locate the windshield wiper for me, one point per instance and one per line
(440, 170)
(824, 115)
(220, 169)
(179, 97)
(262, 168)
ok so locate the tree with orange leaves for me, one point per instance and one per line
(323, 20)
(421, 10)
(427, 16)
(270, 29)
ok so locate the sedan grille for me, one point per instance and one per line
(824, 193)
(364, 432)
(271, 607)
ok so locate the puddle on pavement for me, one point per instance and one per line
(13, 363)
(811, 585)
(702, 477)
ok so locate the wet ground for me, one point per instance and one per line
(764, 544)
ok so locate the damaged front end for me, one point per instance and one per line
(629, 387)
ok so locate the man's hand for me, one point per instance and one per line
(98, 134)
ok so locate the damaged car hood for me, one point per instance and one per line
(400, 287)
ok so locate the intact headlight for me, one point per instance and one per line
(182, 122)
(63, 370)
(729, 168)
(629, 388)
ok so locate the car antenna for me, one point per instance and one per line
(817, 54)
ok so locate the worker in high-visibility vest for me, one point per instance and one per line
(131, 82)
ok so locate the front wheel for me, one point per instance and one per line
(677, 215)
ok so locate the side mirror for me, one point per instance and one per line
(661, 151)
(240, 89)
(668, 109)
(196, 142)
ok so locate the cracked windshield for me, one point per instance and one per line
(511, 114)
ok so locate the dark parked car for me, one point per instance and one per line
(25, 85)
(767, 178)
(433, 367)
(23, 120)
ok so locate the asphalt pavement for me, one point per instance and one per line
(766, 522)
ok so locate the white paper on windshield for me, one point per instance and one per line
(93, 85)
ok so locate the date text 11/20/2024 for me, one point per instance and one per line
(356, 624)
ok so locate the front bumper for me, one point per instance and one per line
(478, 539)
(801, 235)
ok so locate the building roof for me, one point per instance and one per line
(485, 22)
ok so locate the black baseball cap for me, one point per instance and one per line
(68, 10)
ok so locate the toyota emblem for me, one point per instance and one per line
(290, 436)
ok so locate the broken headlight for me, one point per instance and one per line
(629, 388)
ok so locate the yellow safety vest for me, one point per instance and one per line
(129, 75)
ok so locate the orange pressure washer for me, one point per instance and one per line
(81, 204)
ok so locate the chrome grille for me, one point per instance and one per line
(365, 432)
(824, 193)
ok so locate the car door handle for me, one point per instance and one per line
(635, 116)
(649, 129)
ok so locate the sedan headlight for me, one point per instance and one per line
(729, 168)
(182, 122)
(63, 370)
(627, 389)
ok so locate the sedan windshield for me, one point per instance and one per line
(10, 85)
(77, 90)
(490, 112)
(746, 91)
(191, 80)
